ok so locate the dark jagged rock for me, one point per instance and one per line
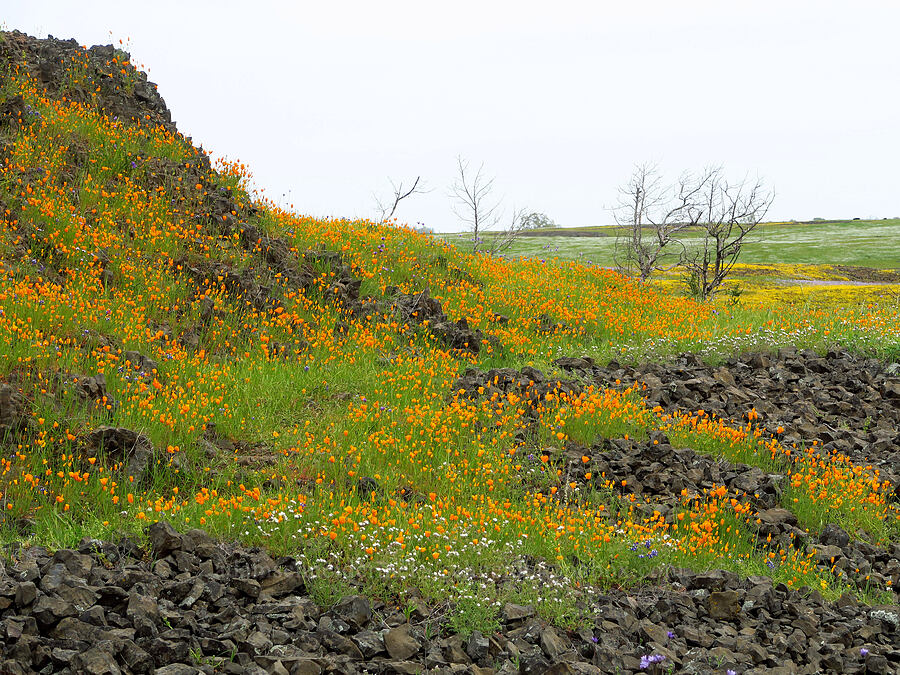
(419, 308)
(834, 536)
(14, 112)
(55, 618)
(144, 365)
(243, 285)
(278, 254)
(109, 81)
(528, 382)
(14, 412)
(847, 404)
(163, 539)
(656, 471)
(93, 389)
(127, 447)
(365, 486)
(547, 325)
(400, 643)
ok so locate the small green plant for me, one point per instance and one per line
(431, 631)
(408, 610)
(326, 590)
(692, 281)
(735, 291)
(471, 613)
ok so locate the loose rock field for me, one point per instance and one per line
(188, 604)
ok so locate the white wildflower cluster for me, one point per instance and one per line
(470, 565)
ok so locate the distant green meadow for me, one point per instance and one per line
(863, 243)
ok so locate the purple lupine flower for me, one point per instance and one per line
(649, 659)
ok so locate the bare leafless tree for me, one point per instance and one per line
(498, 241)
(475, 206)
(386, 209)
(726, 213)
(649, 215)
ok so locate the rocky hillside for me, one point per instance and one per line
(237, 439)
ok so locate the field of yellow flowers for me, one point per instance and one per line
(278, 396)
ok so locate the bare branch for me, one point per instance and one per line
(500, 241)
(387, 210)
(728, 216)
(473, 205)
(649, 215)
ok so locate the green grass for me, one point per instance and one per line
(864, 243)
(465, 509)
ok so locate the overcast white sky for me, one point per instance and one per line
(328, 100)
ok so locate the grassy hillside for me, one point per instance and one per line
(287, 381)
(860, 243)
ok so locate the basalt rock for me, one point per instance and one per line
(13, 112)
(843, 403)
(657, 472)
(528, 383)
(90, 390)
(14, 412)
(239, 285)
(547, 325)
(128, 448)
(419, 308)
(145, 367)
(116, 608)
(109, 81)
(278, 254)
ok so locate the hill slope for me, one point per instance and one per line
(442, 433)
